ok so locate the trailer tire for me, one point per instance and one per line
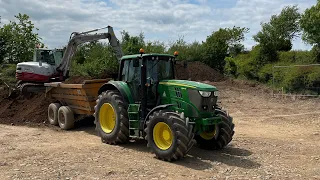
(65, 118)
(53, 113)
(111, 118)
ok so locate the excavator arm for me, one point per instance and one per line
(80, 38)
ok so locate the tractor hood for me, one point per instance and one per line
(189, 84)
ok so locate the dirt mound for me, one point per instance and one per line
(77, 79)
(24, 111)
(197, 71)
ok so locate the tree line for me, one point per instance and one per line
(223, 49)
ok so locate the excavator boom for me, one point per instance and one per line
(60, 71)
(80, 38)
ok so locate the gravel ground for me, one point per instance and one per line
(274, 139)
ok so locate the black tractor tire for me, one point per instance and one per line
(65, 118)
(120, 131)
(182, 135)
(53, 113)
(225, 132)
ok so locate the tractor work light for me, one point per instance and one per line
(205, 93)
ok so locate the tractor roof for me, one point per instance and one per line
(133, 56)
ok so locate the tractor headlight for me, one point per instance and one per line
(205, 93)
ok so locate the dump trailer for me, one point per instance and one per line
(146, 101)
(71, 101)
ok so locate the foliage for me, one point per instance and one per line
(93, 60)
(217, 46)
(187, 52)
(277, 34)
(18, 40)
(8, 72)
(131, 44)
(310, 23)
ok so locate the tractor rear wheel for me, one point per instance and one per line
(168, 135)
(111, 118)
(219, 137)
(65, 118)
(53, 113)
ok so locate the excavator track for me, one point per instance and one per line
(27, 89)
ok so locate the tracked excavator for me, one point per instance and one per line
(53, 65)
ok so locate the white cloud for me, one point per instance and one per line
(158, 19)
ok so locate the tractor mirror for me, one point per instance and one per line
(136, 62)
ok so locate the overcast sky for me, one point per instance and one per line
(162, 20)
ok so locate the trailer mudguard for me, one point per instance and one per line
(121, 86)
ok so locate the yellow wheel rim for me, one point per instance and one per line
(162, 136)
(209, 135)
(107, 118)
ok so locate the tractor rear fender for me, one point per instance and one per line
(122, 87)
(163, 106)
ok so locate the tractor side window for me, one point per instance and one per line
(124, 74)
(134, 73)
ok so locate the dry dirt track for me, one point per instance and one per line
(274, 139)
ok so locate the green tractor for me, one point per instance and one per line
(171, 115)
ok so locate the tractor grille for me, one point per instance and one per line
(204, 104)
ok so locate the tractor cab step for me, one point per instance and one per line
(134, 119)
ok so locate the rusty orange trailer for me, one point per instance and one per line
(70, 100)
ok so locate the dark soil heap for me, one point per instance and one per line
(197, 71)
(23, 111)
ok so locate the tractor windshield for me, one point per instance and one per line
(159, 70)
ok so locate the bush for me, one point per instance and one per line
(99, 59)
(7, 73)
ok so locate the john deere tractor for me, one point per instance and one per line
(171, 115)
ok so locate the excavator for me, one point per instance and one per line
(53, 65)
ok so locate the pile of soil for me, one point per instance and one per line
(197, 71)
(24, 110)
(77, 79)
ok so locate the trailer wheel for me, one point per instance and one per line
(65, 118)
(53, 113)
(111, 118)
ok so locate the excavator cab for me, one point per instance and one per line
(50, 56)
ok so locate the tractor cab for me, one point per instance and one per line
(157, 67)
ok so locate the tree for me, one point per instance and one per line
(131, 44)
(277, 34)
(18, 39)
(310, 23)
(221, 44)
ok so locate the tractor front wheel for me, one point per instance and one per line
(111, 118)
(219, 136)
(168, 136)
